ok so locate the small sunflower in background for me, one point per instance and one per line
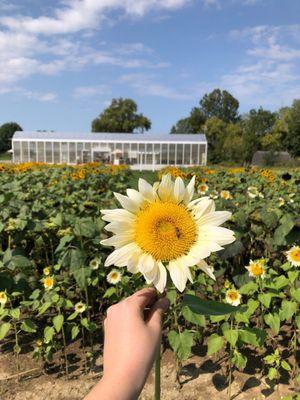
(80, 307)
(225, 194)
(293, 256)
(46, 271)
(94, 263)
(233, 297)
(114, 277)
(256, 268)
(48, 282)
(3, 298)
(203, 188)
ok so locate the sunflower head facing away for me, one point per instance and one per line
(161, 228)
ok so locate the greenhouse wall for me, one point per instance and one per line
(139, 155)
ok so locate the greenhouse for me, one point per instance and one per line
(140, 151)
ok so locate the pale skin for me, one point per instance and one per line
(132, 333)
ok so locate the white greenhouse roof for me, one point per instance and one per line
(108, 137)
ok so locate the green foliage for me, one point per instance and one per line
(181, 343)
(292, 138)
(121, 116)
(6, 133)
(220, 104)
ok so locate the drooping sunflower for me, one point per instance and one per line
(160, 228)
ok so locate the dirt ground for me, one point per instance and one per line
(200, 378)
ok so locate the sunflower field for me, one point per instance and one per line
(54, 288)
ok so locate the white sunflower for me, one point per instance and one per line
(114, 277)
(233, 297)
(160, 228)
(293, 255)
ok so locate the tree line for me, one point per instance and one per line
(231, 136)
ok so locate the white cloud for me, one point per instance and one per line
(91, 91)
(270, 73)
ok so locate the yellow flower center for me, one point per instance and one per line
(114, 275)
(165, 230)
(233, 295)
(295, 255)
(257, 269)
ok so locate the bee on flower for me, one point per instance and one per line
(202, 189)
(293, 256)
(48, 282)
(256, 268)
(161, 228)
(226, 195)
(46, 271)
(3, 298)
(94, 264)
(114, 277)
(80, 307)
(233, 297)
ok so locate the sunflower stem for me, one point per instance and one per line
(157, 373)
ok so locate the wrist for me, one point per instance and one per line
(117, 387)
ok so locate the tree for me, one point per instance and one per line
(215, 131)
(6, 133)
(234, 146)
(257, 124)
(220, 104)
(192, 124)
(292, 138)
(121, 116)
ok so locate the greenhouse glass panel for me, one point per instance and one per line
(202, 154)
(40, 151)
(179, 154)
(48, 152)
(164, 153)
(141, 153)
(72, 153)
(149, 153)
(171, 153)
(126, 153)
(17, 151)
(64, 153)
(32, 151)
(25, 151)
(157, 153)
(79, 153)
(194, 154)
(187, 154)
(56, 152)
(133, 154)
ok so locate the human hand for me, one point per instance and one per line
(132, 332)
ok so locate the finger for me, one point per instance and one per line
(156, 313)
(143, 298)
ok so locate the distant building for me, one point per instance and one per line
(140, 151)
(262, 158)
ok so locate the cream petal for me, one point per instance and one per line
(118, 240)
(179, 190)
(146, 263)
(127, 203)
(207, 269)
(151, 275)
(132, 264)
(216, 234)
(203, 207)
(147, 190)
(136, 196)
(120, 257)
(189, 192)
(199, 250)
(178, 274)
(118, 214)
(214, 218)
(119, 227)
(166, 188)
(161, 277)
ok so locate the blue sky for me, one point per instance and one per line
(61, 62)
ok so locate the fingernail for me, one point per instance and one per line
(164, 303)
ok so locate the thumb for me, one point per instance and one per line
(156, 313)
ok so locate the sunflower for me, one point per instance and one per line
(233, 297)
(80, 307)
(48, 282)
(225, 194)
(256, 268)
(114, 277)
(46, 271)
(293, 256)
(94, 264)
(160, 228)
(202, 189)
(3, 298)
